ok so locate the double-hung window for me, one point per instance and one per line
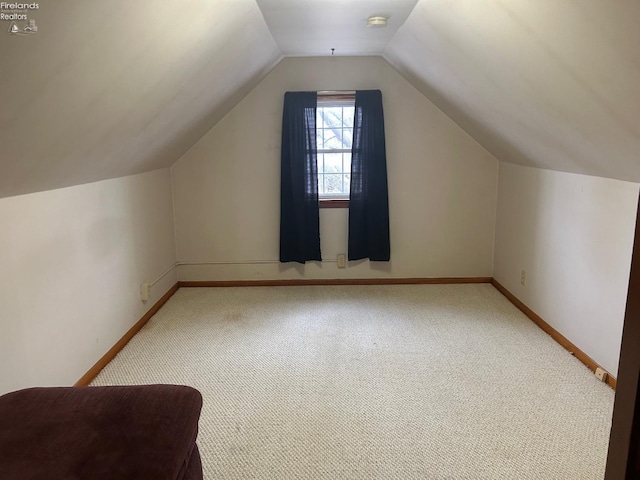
(348, 166)
(334, 128)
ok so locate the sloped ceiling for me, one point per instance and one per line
(547, 83)
(112, 88)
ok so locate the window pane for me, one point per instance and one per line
(333, 183)
(331, 116)
(320, 165)
(320, 183)
(347, 182)
(332, 163)
(347, 162)
(347, 138)
(331, 139)
(348, 116)
(320, 118)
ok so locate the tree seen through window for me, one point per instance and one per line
(334, 127)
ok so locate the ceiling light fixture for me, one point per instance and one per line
(377, 21)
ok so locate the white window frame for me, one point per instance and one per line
(334, 99)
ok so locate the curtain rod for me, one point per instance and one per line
(336, 92)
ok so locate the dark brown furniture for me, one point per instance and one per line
(623, 461)
(111, 433)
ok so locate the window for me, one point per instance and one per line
(334, 129)
(351, 146)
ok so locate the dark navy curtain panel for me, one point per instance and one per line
(299, 209)
(369, 198)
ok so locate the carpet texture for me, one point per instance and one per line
(390, 382)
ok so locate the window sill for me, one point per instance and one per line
(334, 203)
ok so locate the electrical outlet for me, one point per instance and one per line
(145, 291)
(342, 261)
(601, 374)
(523, 277)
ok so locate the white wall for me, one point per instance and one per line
(442, 185)
(573, 235)
(71, 264)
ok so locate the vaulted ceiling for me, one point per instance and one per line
(547, 83)
(107, 89)
(111, 88)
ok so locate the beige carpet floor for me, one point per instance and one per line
(376, 382)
